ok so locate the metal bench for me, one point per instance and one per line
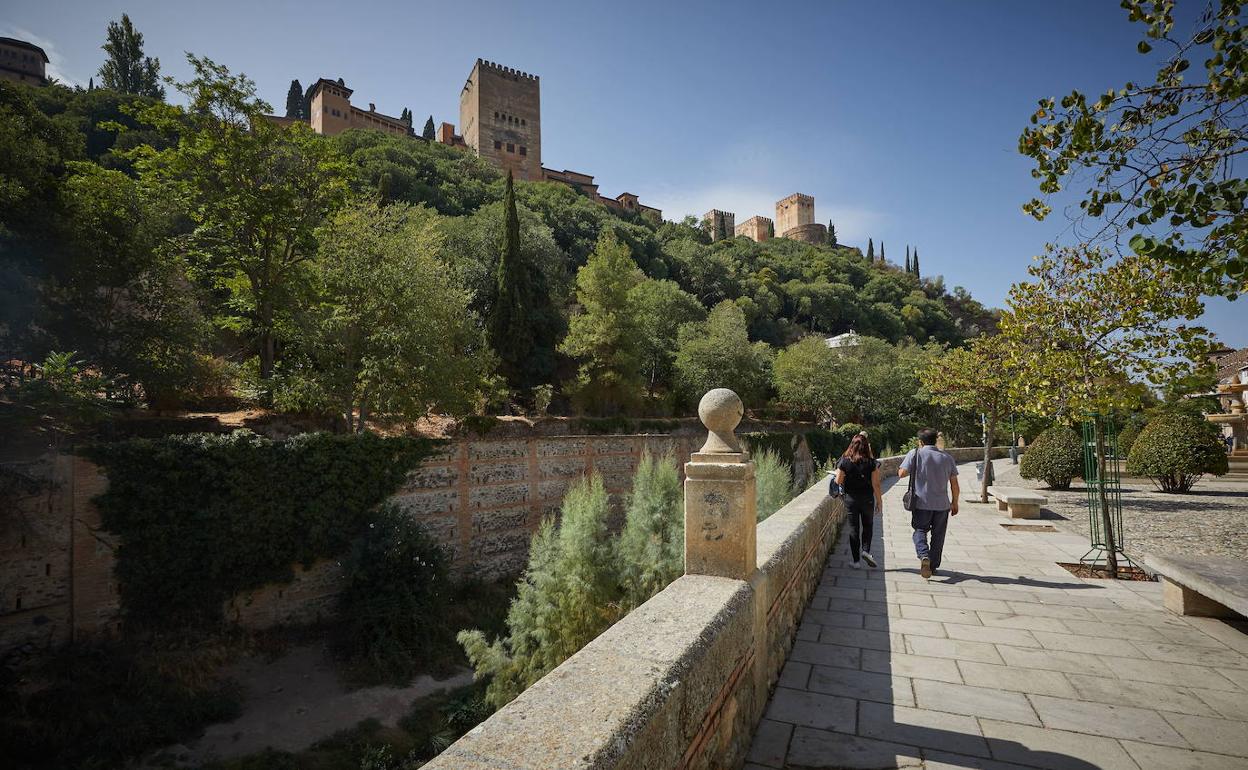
(1020, 502)
(1211, 587)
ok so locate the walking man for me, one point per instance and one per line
(935, 498)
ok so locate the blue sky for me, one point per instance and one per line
(901, 118)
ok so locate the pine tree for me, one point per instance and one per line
(915, 264)
(294, 101)
(429, 132)
(126, 69)
(522, 325)
(831, 233)
(870, 250)
(652, 546)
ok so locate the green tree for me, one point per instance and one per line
(773, 487)
(254, 192)
(603, 336)
(804, 380)
(429, 133)
(652, 544)
(977, 379)
(390, 331)
(914, 263)
(1086, 325)
(870, 250)
(909, 269)
(1158, 158)
(1175, 450)
(660, 309)
(717, 353)
(831, 233)
(882, 252)
(566, 597)
(126, 69)
(522, 324)
(294, 101)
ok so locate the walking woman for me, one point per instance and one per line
(858, 474)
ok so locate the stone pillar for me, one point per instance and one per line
(720, 510)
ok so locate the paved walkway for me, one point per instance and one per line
(1003, 660)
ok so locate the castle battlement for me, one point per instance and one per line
(502, 70)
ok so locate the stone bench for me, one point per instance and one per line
(1211, 586)
(1022, 503)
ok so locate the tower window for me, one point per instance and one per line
(511, 147)
(496, 114)
(524, 150)
(498, 145)
(522, 122)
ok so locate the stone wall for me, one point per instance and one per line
(682, 681)
(481, 498)
(678, 683)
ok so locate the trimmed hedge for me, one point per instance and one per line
(1055, 457)
(1175, 450)
(202, 517)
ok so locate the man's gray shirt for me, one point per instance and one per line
(931, 483)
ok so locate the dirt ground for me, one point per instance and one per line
(296, 700)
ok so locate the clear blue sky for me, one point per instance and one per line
(901, 118)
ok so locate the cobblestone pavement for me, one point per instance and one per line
(1211, 520)
(1003, 660)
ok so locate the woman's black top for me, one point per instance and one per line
(857, 475)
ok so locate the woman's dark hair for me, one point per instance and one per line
(859, 449)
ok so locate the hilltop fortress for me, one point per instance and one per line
(500, 115)
(500, 119)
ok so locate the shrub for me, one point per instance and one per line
(567, 596)
(202, 517)
(652, 545)
(826, 445)
(773, 479)
(1175, 450)
(1127, 436)
(1055, 457)
(393, 596)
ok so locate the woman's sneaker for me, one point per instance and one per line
(855, 565)
(869, 559)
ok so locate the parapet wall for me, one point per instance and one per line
(678, 683)
(681, 682)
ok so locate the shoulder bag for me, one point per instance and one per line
(909, 499)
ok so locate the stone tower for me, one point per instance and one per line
(795, 219)
(793, 211)
(721, 224)
(500, 114)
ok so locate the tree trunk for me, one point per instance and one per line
(989, 430)
(1111, 546)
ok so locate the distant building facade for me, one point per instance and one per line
(756, 228)
(23, 62)
(332, 112)
(720, 224)
(795, 219)
(500, 115)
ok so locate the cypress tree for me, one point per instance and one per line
(881, 252)
(915, 264)
(870, 250)
(831, 233)
(429, 133)
(294, 101)
(908, 258)
(522, 325)
(307, 103)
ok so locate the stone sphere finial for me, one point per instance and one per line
(720, 411)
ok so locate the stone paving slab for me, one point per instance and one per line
(1002, 661)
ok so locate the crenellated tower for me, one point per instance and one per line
(500, 115)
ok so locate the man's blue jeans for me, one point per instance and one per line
(929, 521)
